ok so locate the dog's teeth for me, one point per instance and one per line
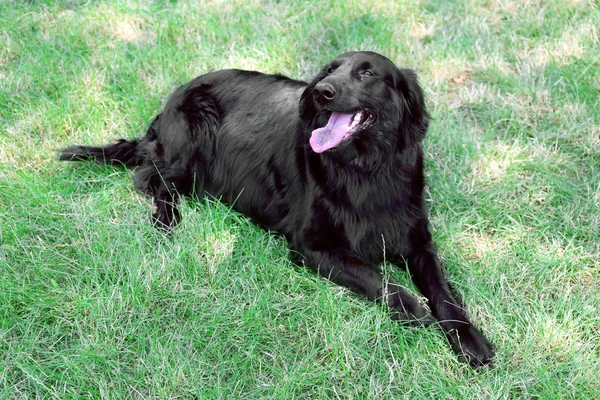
(356, 119)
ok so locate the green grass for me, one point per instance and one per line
(94, 303)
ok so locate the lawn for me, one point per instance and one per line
(94, 303)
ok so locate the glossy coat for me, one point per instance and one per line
(243, 137)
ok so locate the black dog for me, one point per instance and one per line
(336, 166)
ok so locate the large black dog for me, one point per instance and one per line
(336, 166)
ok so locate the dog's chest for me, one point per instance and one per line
(375, 223)
(378, 235)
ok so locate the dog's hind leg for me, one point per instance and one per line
(179, 148)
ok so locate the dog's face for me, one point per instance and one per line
(361, 103)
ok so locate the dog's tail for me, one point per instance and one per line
(123, 152)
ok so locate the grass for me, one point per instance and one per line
(96, 304)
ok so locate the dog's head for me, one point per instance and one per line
(361, 104)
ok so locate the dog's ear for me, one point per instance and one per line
(415, 119)
(307, 104)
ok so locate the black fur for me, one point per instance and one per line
(244, 137)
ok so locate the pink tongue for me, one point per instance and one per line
(332, 134)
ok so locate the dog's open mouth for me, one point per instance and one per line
(339, 128)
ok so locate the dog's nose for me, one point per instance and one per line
(324, 92)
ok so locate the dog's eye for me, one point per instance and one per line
(367, 73)
(330, 70)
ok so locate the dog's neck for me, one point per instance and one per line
(354, 182)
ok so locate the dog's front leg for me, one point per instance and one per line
(367, 280)
(428, 275)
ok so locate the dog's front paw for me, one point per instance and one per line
(165, 216)
(471, 346)
(406, 308)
